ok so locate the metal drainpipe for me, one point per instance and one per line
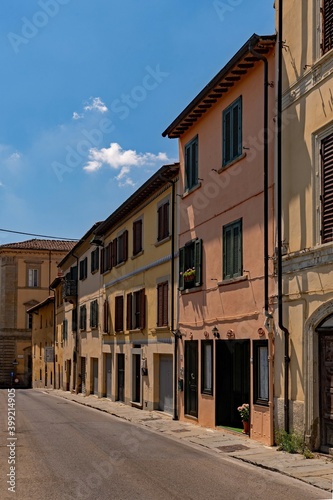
(266, 256)
(175, 374)
(54, 336)
(77, 322)
(279, 222)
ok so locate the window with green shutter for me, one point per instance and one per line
(190, 265)
(232, 132)
(232, 250)
(191, 164)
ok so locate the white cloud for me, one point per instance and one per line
(118, 158)
(14, 156)
(93, 104)
(77, 116)
(96, 104)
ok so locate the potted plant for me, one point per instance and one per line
(189, 275)
(244, 412)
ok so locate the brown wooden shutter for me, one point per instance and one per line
(142, 298)
(327, 26)
(129, 316)
(102, 260)
(166, 220)
(327, 189)
(159, 223)
(165, 318)
(106, 316)
(137, 237)
(109, 263)
(119, 313)
(125, 236)
(160, 304)
(114, 253)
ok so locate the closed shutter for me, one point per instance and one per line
(129, 311)
(119, 313)
(162, 304)
(327, 26)
(106, 316)
(114, 253)
(102, 260)
(226, 137)
(137, 237)
(109, 262)
(194, 152)
(142, 298)
(327, 189)
(125, 236)
(181, 267)
(227, 253)
(198, 262)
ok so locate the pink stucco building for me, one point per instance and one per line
(226, 241)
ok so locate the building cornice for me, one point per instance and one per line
(316, 75)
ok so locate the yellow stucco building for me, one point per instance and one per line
(26, 271)
(303, 400)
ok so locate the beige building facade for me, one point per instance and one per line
(26, 271)
(307, 218)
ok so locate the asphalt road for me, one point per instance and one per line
(65, 451)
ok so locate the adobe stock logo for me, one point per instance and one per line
(223, 8)
(31, 27)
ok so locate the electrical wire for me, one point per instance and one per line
(39, 235)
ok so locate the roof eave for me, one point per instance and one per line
(179, 126)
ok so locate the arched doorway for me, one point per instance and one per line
(325, 356)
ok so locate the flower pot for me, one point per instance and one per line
(188, 278)
(246, 427)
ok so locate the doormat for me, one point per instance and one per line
(234, 447)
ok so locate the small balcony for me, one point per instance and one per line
(69, 290)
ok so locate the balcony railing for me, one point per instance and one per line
(69, 289)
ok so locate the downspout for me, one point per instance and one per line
(175, 371)
(266, 256)
(54, 337)
(77, 322)
(268, 315)
(279, 222)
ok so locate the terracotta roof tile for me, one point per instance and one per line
(35, 244)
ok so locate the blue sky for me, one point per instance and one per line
(87, 89)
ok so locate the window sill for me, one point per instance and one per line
(160, 329)
(135, 330)
(190, 290)
(187, 192)
(232, 280)
(137, 255)
(94, 271)
(160, 242)
(231, 163)
(122, 263)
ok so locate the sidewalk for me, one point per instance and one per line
(317, 471)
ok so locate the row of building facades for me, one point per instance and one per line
(211, 286)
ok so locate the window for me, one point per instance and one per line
(120, 249)
(119, 314)
(207, 367)
(163, 221)
(190, 265)
(84, 268)
(106, 258)
(136, 310)
(137, 237)
(191, 164)
(29, 322)
(327, 25)
(32, 277)
(162, 304)
(74, 319)
(106, 314)
(232, 250)
(232, 131)
(327, 189)
(64, 330)
(83, 318)
(95, 260)
(260, 367)
(94, 314)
